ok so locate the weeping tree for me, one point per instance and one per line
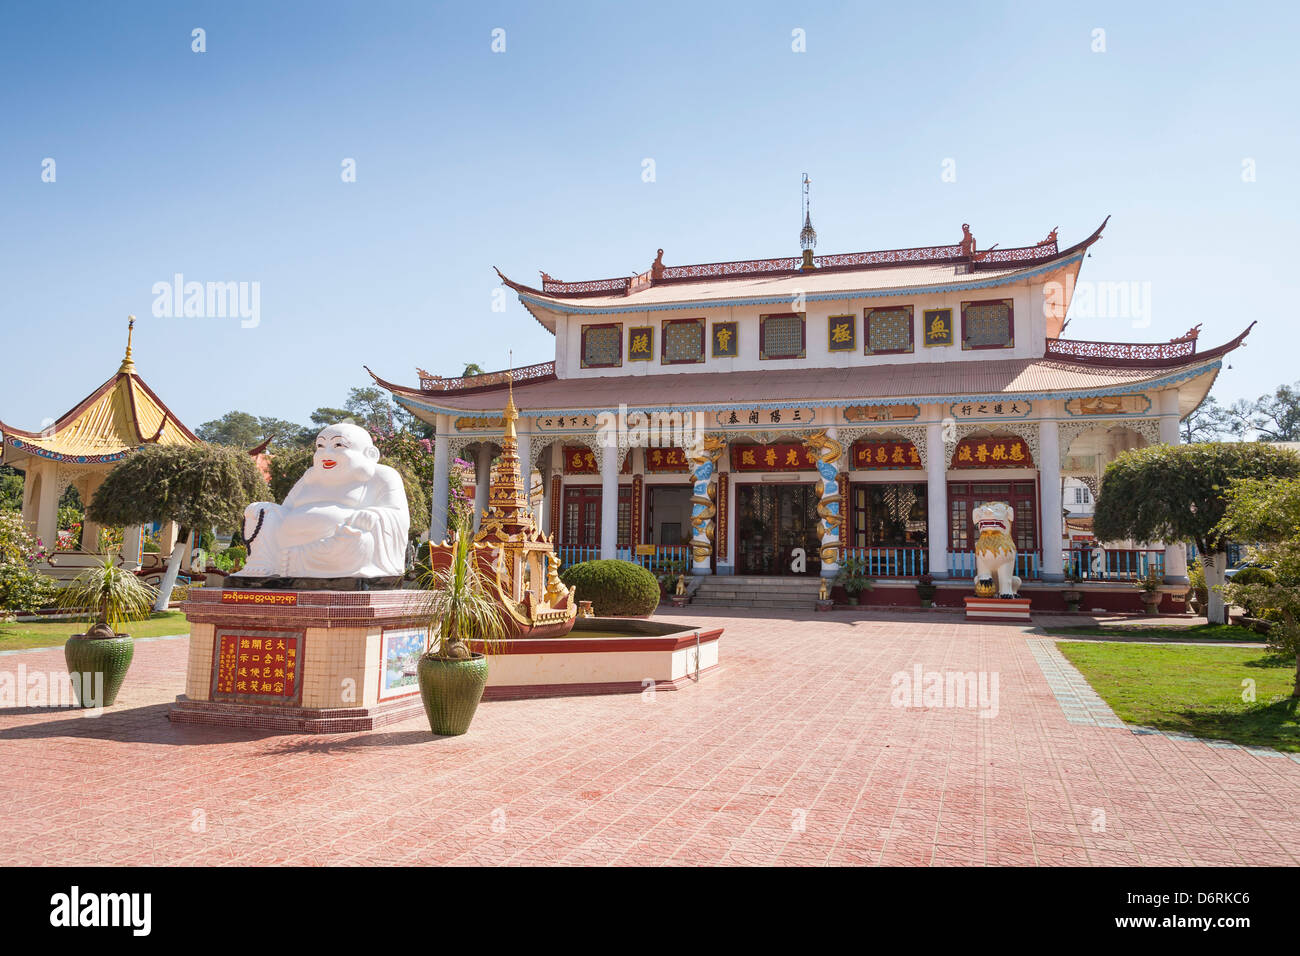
(196, 486)
(1178, 493)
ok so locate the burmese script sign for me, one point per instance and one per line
(261, 598)
(256, 666)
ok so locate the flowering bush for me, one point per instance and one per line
(17, 546)
(22, 589)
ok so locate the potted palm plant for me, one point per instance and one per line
(111, 598)
(459, 610)
(926, 589)
(1072, 596)
(1150, 588)
(852, 577)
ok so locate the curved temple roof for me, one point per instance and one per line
(1053, 375)
(858, 274)
(116, 418)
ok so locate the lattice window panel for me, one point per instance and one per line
(683, 342)
(988, 325)
(889, 330)
(783, 336)
(602, 345)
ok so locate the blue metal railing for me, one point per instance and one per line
(961, 564)
(891, 562)
(576, 553)
(1119, 564)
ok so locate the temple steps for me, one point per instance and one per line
(790, 593)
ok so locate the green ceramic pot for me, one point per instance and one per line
(451, 691)
(110, 656)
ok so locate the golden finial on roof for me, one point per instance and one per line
(128, 364)
(511, 414)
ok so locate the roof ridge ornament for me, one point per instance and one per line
(807, 235)
(128, 364)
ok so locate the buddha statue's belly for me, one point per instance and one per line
(308, 523)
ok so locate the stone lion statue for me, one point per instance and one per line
(995, 551)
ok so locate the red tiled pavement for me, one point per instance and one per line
(790, 754)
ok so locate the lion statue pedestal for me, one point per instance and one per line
(997, 588)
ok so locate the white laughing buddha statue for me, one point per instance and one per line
(345, 518)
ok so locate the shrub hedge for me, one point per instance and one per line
(614, 588)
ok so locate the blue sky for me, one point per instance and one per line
(225, 166)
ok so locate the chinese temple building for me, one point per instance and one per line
(857, 403)
(83, 445)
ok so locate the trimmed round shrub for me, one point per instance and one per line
(1252, 574)
(614, 588)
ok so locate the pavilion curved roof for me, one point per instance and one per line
(758, 281)
(1069, 368)
(113, 420)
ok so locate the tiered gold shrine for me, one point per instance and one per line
(517, 560)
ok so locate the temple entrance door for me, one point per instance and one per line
(773, 520)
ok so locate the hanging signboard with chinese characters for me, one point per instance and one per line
(1109, 405)
(993, 452)
(555, 422)
(936, 325)
(257, 666)
(841, 333)
(640, 343)
(779, 456)
(666, 461)
(885, 455)
(732, 418)
(580, 460)
(1002, 408)
(881, 413)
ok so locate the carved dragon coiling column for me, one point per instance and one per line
(704, 475)
(829, 451)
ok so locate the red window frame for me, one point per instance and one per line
(911, 330)
(582, 345)
(580, 516)
(1021, 494)
(1011, 324)
(803, 335)
(663, 342)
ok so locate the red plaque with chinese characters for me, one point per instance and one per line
(994, 452)
(255, 666)
(663, 461)
(885, 455)
(781, 456)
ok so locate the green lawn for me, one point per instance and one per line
(1138, 632)
(1195, 690)
(53, 633)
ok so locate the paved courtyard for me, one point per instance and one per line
(791, 753)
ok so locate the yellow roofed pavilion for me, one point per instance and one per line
(83, 445)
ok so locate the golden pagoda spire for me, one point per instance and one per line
(511, 414)
(128, 364)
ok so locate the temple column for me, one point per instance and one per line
(523, 446)
(831, 534)
(936, 485)
(440, 494)
(482, 481)
(1176, 553)
(546, 466)
(609, 503)
(47, 510)
(89, 529)
(132, 540)
(1049, 490)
